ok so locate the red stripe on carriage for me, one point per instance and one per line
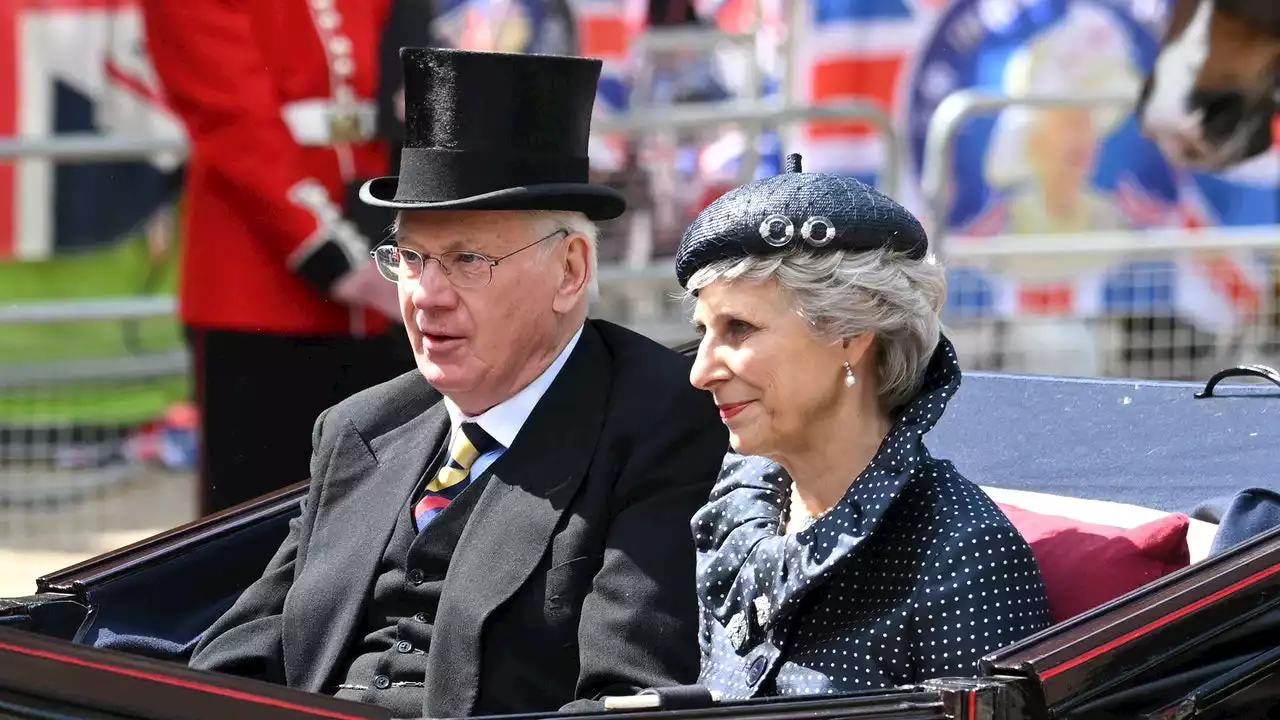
(165, 680)
(1159, 622)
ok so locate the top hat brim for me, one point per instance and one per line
(597, 202)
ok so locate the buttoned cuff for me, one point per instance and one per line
(334, 248)
(327, 262)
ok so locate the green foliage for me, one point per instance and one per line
(119, 270)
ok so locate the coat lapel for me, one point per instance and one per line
(529, 488)
(358, 508)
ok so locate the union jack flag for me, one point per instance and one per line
(77, 66)
(855, 49)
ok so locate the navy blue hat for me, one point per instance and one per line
(820, 211)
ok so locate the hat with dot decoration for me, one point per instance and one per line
(793, 210)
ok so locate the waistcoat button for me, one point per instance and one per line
(382, 682)
(404, 646)
(415, 576)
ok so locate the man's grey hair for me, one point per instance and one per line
(546, 222)
(842, 294)
(549, 221)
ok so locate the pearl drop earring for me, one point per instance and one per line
(849, 379)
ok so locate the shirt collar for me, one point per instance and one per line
(504, 420)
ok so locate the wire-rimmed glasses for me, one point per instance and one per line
(465, 269)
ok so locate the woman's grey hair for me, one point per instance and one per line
(842, 294)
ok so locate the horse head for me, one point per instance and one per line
(1213, 90)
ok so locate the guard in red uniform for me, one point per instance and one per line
(284, 310)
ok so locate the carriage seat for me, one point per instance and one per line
(158, 596)
(1092, 551)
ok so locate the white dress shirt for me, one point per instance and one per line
(504, 420)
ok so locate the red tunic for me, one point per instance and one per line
(256, 83)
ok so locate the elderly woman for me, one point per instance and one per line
(835, 554)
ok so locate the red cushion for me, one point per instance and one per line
(1085, 565)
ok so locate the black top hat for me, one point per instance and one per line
(822, 212)
(496, 131)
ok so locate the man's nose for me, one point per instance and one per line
(433, 288)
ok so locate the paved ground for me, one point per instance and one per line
(37, 540)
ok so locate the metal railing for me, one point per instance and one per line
(91, 148)
(55, 311)
(653, 47)
(684, 39)
(62, 312)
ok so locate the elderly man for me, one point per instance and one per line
(506, 530)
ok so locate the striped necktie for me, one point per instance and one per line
(469, 443)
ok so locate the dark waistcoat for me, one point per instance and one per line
(387, 663)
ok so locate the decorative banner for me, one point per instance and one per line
(1033, 172)
(77, 66)
(1042, 172)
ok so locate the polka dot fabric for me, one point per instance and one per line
(914, 574)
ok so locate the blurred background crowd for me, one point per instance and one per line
(1073, 246)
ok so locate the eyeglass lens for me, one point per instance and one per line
(464, 269)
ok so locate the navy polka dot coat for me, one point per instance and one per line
(914, 574)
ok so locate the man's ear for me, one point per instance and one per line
(574, 266)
